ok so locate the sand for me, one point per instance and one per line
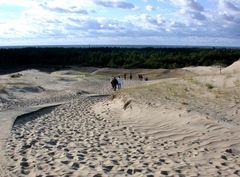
(77, 142)
(7, 119)
(233, 68)
(70, 123)
(190, 142)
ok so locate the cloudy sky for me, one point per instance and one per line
(131, 22)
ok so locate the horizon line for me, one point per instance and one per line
(114, 46)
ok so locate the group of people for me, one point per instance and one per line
(116, 83)
(125, 76)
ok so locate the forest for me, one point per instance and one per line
(115, 57)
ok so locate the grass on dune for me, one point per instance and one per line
(184, 89)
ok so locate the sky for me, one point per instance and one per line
(120, 22)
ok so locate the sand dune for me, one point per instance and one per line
(234, 68)
(186, 124)
(203, 70)
(192, 143)
(76, 142)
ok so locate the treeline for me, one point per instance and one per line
(119, 57)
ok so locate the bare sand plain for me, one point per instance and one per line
(182, 122)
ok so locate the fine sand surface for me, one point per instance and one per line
(182, 122)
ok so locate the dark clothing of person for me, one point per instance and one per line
(140, 77)
(114, 83)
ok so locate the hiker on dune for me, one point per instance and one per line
(114, 83)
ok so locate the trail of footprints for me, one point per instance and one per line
(72, 141)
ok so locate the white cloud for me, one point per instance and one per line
(72, 9)
(19, 3)
(79, 19)
(230, 6)
(190, 11)
(115, 4)
(150, 8)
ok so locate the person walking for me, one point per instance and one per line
(120, 82)
(114, 83)
(130, 76)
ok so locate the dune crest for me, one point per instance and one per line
(234, 68)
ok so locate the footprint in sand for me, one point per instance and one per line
(71, 140)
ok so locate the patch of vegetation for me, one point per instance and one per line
(237, 83)
(118, 57)
(209, 86)
(126, 104)
(16, 75)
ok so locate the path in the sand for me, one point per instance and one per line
(72, 140)
(7, 119)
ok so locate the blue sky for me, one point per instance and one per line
(117, 22)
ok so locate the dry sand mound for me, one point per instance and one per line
(13, 93)
(151, 74)
(27, 89)
(73, 140)
(183, 142)
(202, 70)
(234, 68)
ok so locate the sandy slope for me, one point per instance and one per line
(187, 125)
(193, 122)
(36, 89)
(234, 68)
(72, 140)
(190, 142)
